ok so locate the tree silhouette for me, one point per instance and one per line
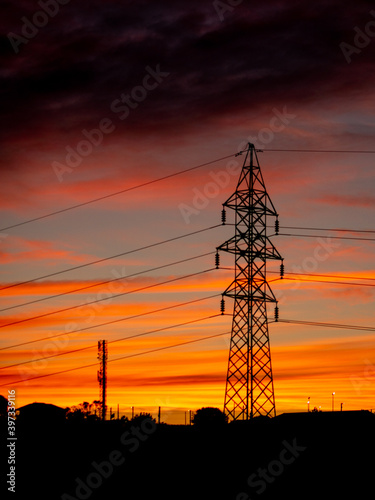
(84, 411)
(96, 407)
(3, 406)
(209, 417)
(138, 419)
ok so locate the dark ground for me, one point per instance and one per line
(178, 462)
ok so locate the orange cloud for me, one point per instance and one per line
(351, 201)
(17, 250)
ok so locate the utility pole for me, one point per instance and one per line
(102, 376)
(249, 387)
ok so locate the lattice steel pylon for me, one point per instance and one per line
(249, 387)
(102, 376)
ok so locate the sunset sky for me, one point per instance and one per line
(159, 87)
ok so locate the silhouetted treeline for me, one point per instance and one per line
(316, 455)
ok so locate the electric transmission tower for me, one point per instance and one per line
(102, 376)
(249, 387)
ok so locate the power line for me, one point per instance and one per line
(107, 281)
(318, 275)
(313, 281)
(117, 359)
(50, 313)
(320, 235)
(94, 346)
(308, 323)
(321, 275)
(132, 188)
(169, 176)
(329, 282)
(111, 257)
(314, 151)
(328, 229)
(181, 304)
(328, 325)
(171, 264)
(285, 277)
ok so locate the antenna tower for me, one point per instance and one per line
(102, 376)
